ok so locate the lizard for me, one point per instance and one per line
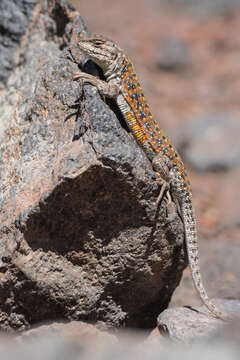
(121, 83)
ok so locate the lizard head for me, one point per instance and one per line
(101, 50)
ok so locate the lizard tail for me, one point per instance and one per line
(193, 257)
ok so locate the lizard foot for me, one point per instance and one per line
(164, 188)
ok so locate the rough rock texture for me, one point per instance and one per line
(14, 18)
(81, 237)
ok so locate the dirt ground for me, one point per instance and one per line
(187, 60)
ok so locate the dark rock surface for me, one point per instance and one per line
(15, 15)
(81, 237)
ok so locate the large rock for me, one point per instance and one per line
(81, 237)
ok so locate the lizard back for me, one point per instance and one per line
(142, 124)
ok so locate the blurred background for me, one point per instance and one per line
(187, 57)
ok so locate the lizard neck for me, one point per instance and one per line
(115, 69)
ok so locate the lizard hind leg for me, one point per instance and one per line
(159, 164)
(164, 188)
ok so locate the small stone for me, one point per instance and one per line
(174, 55)
(185, 325)
(214, 142)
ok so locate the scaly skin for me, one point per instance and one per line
(122, 85)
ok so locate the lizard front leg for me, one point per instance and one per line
(105, 88)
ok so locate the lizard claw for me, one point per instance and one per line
(76, 75)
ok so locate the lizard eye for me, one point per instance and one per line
(97, 42)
